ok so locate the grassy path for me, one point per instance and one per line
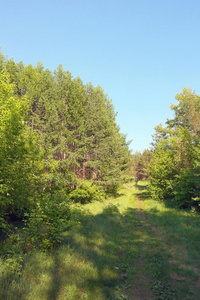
(129, 247)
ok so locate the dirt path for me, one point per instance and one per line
(142, 285)
(127, 248)
(164, 265)
(146, 284)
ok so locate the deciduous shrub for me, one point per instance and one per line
(87, 192)
(187, 190)
(45, 223)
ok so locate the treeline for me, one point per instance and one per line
(140, 164)
(175, 161)
(59, 142)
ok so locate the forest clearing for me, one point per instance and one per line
(99, 150)
(126, 247)
(81, 216)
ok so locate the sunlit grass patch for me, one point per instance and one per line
(115, 245)
(179, 231)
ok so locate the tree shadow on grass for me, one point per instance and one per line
(105, 239)
(54, 291)
(143, 193)
(105, 233)
(118, 195)
(98, 241)
(141, 187)
(97, 255)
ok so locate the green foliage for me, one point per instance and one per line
(140, 165)
(55, 134)
(187, 112)
(12, 253)
(75, 124)
(187, 190)
(160, 133)
(46, 223)
(87, 192)
(120, 247)
(162, 171)
(20, 155)
(4, 225)
(112, 188)
(13, 265)
(80, 196)
(174, 167)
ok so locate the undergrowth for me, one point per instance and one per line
(120, 248)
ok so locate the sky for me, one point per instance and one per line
(140, 52)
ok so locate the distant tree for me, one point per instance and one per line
(140, 164)
(161, 133)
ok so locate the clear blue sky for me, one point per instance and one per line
(141, 52)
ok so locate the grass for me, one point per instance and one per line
(175, 246)
(129, 247)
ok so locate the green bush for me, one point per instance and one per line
(4, 225)
(81, 196)
(87, 192)
(45, 223)
(113, 189)
(187, 190)
(161, 189)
